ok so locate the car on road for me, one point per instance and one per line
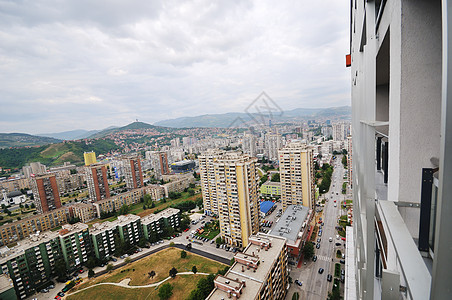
(329, 277)
(298, 282)
(342, 261)
(331, 239)
(342, 272)
(314, 258)
(321, 270)
(342, 278)
(338, 244)
(317, 246)
(318, 240)
(61, 294)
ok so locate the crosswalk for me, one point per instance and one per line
(325, 258)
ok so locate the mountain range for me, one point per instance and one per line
(228, 119)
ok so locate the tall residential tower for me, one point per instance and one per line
(297, 175)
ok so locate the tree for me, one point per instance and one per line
(110, 267)
(91, 262)
(165, 291)
(219, 240)
(91, 273)
(60, 269)
(173, 272)
(151, 274)
(275, 177)
(194, 269)
(33, 205)
(124, 210)
(295, 296)
(191, 192)
(308, 250)
(344, 160)
(127, 260)
(26, 206)
(183, 254)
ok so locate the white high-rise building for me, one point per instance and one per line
(208, 184)
(249, 144)
(400, 245)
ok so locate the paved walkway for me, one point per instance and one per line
(125, 283)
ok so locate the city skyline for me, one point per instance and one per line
(70, 67)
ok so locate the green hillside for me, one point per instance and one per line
(24, 140)
(131, 126)
(54, 154)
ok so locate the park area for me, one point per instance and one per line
(139, 274)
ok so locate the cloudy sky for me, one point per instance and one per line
(87, 64)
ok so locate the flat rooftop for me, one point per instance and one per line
(253, 279)
(101, 227)
(291, 222)
(163, 214)
(68, 229)
(32, 241)
(126, 219)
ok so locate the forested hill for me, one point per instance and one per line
(54, 154)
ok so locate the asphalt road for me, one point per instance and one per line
(315, 285)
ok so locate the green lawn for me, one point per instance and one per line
(182, 286)
(160, 262)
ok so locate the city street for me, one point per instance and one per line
(315, 285)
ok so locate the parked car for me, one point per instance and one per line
(329, 277)
(342, 272)
(314, 258)
(338, 244)
(61, 294)
(317, 246)
(342, 278)
(321, 270)
(298, 282)
(342, 261)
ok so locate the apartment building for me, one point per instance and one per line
(273, 142)
(159, 162)
(45, 192)
(97, 181)
(155, 223)
(132, 171)
(178, 183)
(116, 202)
(259, 273)
(21, 229)
(129, 228)
(402, 164)
(30, 263)
(68, 183)
(90, 158)
(34, 168)
(236, 182)
(103, 238)
(84, 211)
(249, 144)
(208, 184)
(75, 244)
(15, 184)
(296, 167)
(155, 191)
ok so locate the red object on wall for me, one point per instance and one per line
(348, 60)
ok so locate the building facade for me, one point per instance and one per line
(296, 167)
(132, 172)
(97, 181)
(45, 192)
(208, 185)
(401, 114)
(259, 273)
(90, 158)
(236, 182)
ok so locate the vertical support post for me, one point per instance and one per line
(379, 153)
(442, 264)
(385, 162)
(426, 205)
